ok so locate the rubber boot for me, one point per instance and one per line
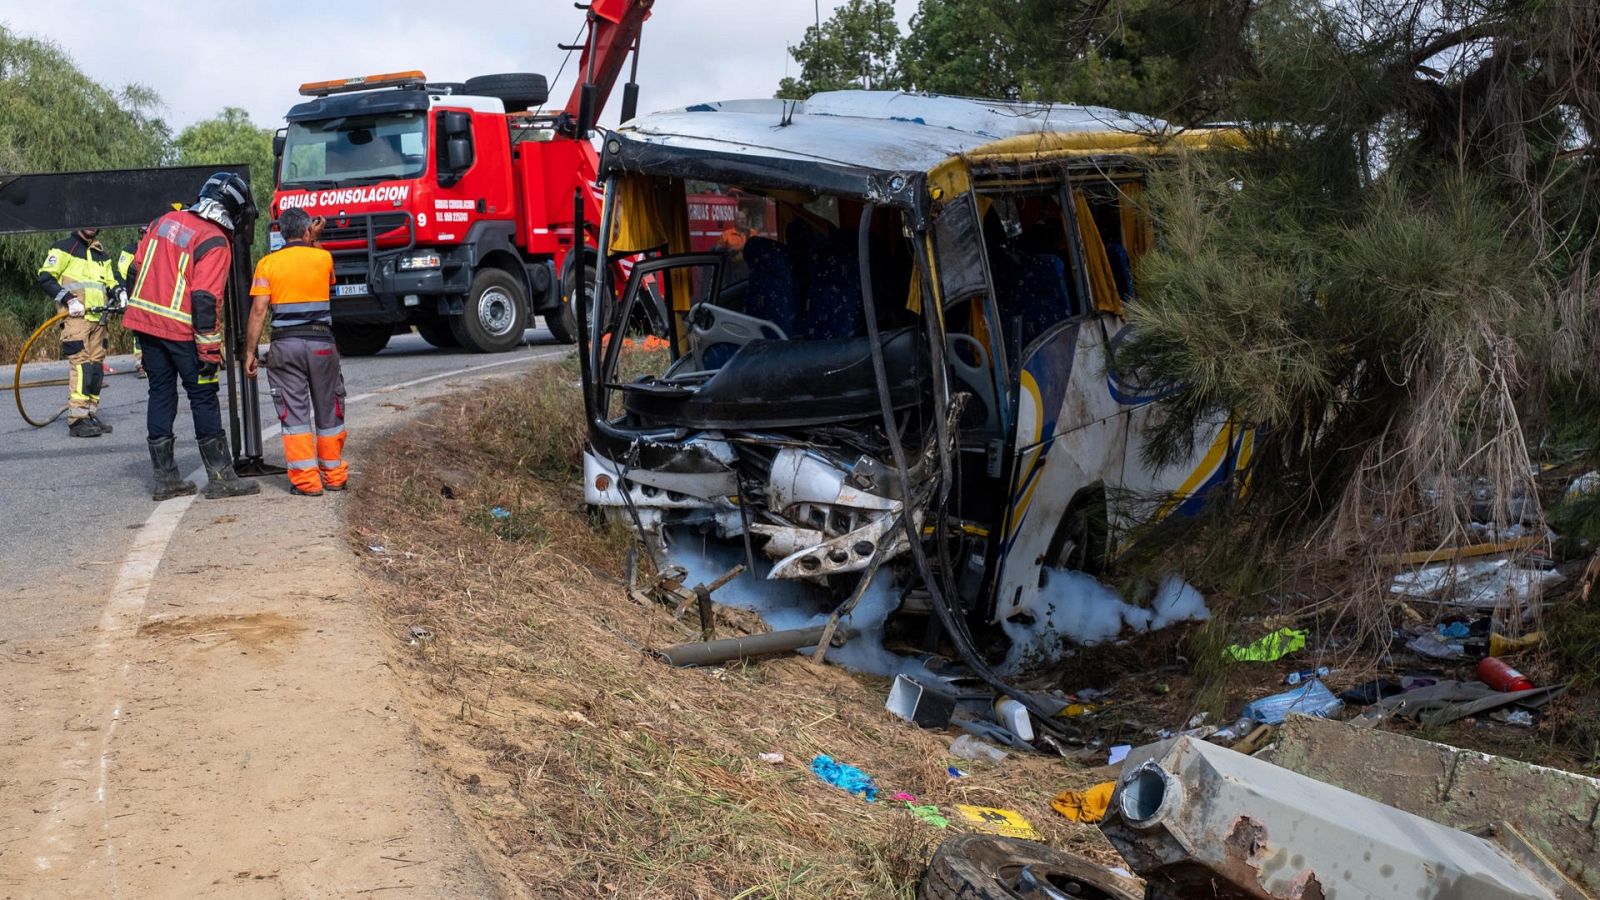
(169, 483)
(219, 469)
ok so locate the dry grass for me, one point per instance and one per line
(591, 767)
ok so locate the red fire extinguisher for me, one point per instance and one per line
(1496, 674)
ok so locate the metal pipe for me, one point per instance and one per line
(709, 653)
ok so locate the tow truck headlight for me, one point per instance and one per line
(419, 261)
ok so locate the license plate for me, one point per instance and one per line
(350, 290)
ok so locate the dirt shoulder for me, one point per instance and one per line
(594, 769)
(232, 727)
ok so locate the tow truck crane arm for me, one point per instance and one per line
(613, 34)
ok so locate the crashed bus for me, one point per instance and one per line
(905, 373)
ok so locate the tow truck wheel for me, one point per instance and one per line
(438, 333)
(563, 324)
(495, 314)
(361, 339)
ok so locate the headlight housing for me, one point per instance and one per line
(419, 261)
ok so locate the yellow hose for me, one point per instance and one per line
(16, 380)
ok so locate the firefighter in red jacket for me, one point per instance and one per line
(181, 275)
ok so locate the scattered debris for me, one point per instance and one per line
(1270, 647)
(845, 777)
(1119, 753)
(1479, 585)
(1432, 646)
(1013, 717)
(928, 813)
(1496, 673)
(972, 747)
(710, 653)
(1088, 806)
(1294, 678)
(1451, 701)
(1312, 699)
(500, 512)
(1255, 740)
(1370, 692)
(1003, 822)
(1584, 485)
(1500, 645)
(1512, 543)
(915, 702)
(774, 758)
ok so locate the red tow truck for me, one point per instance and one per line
(450, 206)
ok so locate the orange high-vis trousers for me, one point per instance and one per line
(308, 393)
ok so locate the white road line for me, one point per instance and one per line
(121, 617)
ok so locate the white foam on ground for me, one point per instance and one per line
(1071, 609)
(784, 605)
(1076, 608)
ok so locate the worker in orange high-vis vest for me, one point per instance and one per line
(291, 285)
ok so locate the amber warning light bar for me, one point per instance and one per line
(412, 78)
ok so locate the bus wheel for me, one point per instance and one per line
(495, 314)
(361, 339)
(1082, 540)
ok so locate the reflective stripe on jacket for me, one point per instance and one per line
(181, 273)
(296, 279)
(77, 267)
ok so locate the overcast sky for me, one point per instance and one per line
(203, 56)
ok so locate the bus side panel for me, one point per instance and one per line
(1070, 434)
(1099, 438)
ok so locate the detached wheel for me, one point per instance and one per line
(495, 314)
(438, 333)
(361, 339)
(985, 867)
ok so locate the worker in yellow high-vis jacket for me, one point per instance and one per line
(76, 274)
(124, 271)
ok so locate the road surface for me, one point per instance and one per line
(195, 698)
(70, 505)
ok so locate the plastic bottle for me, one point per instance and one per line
(1305, 674)
(972, 747)
(1500, 676)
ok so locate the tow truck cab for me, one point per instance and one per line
(440, 205)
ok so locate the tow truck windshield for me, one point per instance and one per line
(353, 149)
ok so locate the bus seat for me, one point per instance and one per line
(833, 300)
(1121, 270)
(770, 293)
(1031, 287)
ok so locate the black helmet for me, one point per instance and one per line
(233, 194)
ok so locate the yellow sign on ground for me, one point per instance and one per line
(1003, 822)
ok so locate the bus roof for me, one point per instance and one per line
(858, 142)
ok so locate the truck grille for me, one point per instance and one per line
(354, 228)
